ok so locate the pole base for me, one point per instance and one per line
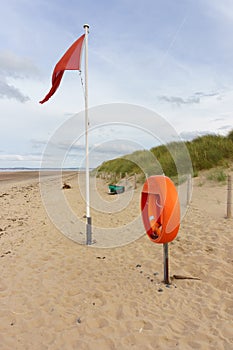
(88, 232)
(165, 263)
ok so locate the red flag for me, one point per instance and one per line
(71, 60)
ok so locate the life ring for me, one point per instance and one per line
(160, 209)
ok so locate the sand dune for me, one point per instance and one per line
(57, 294)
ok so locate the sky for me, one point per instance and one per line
(171, 57)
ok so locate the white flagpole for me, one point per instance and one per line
(88, 215)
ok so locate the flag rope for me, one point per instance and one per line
(81, 79)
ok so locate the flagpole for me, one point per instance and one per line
(88, 215)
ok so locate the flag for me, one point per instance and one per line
(71, 60)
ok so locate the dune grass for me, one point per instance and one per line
(205, 152)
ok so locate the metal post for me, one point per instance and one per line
(165, 263)
(229, 197)
(189, 188)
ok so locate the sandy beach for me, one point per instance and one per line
(57, 293)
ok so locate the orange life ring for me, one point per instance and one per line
(160, 209)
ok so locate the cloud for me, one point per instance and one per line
(9, 91)
(20, 157)
(7, 157)
(225, 127)
(69, 155)
(218, 120)
(194, 99)
(204, 94)
(223, 8)
(179, 100)
(37, 143)
(13, 66)
(117, 147)
(190, 135)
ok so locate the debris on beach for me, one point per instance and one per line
(180, 277)
(66, 186)
(4, 194)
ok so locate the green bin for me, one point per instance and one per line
(115, 189)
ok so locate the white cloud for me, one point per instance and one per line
(13, 66)
(190, 135)
(10, 91)
(196, 98)
(19, 157)
(223, 8)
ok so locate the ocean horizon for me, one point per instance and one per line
(41, 169)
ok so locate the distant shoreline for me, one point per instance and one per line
(20, 169)
(24, 175)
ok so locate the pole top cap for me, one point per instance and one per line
(86, 26)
